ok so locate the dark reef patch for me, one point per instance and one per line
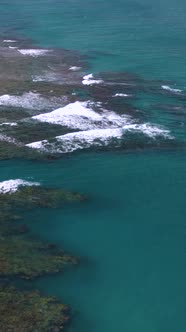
(31, 196)
(28, 131)
(23, 256)
(35, 81)
(30, 311)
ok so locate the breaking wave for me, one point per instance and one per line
(11, 186)
(80, 115)
(121, 95)
(168, 88)
(97, 138)
(30, 100)
(89, 80)
(34, 52)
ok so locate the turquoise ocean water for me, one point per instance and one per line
(141, 36)
(131, 233)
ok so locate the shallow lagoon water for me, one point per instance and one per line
(130, 234)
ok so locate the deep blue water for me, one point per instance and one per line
(131, 233)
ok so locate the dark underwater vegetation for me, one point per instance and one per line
(22, 256)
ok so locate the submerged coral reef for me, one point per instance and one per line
(31, 81)
(23, 256)
(22, 311)
(30, 196)
(27, 258)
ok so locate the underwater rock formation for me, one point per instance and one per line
(35, 195)
(25, 257)
(9, 150)
(20, 254)
(29, 311)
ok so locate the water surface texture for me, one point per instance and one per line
(130, 234)
(141, 36)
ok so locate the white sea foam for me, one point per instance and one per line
(13, 47)
(168, 88)
(11, 186)
(33, 52)
(8, 139)
(97, 137)
(148, 129)
(75, 68)
(48, 76)
(11, 124)
(98, 128)
(37, 78)
(9, 41)
(80, 115)
(30, 100)
(121, 95)
(89, 80)
(79, 140)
